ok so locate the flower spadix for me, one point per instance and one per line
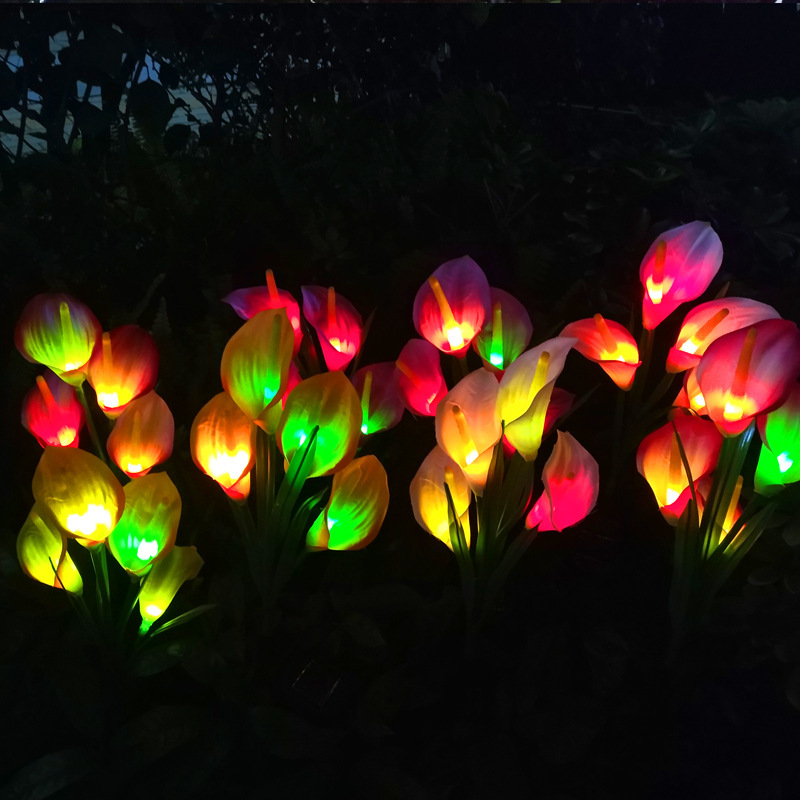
(678, 266)
(428, 498)
(381, 406)
(749, 372)
(505, 333)
(571, 479)
(356, 508)
(779, 460)
(451, 306)
(525, 391)
(330, 402)
(142, 436)
(337, 323)
(181, 564)
(60, 332)
(147, 528)
(420, 382)
(608, 344)
(222, 441)
(468, 427)
(79, 492)
(52, 413)
(42, 553)
(255, 363)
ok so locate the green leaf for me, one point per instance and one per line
(288, 735)
(156, 733)
(182, 619)
(49, 774)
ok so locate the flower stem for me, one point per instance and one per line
(90, 423)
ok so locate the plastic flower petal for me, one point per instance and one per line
(123, 366)
(142, 436)
(79, 492)
(707, 322)
(571, 479)
(181, 564)
(451, 306)
(147, 528)
(381, 406)
(42, 553)
(505, 333)
(658, 460)
(60, 332)
(779, 460)
(525, 391)
(678, 266)
(749, 372)
(420, 381)
(609, 344)
(331, 402)
(356, 508)
(337, 323)
(272, 416)
(52, 413)
(255, 363)
(222, 441)
(428, 498)
(248, 302)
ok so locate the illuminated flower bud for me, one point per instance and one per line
(331, 402)
(571, 480)
(707, 322)
(272, 416)
(779, 460)
(420, 382)
(451, 306)
(337, 323)
(679, 266)
(381, 406)
(428, 498)
(505, 333)
(181, 564)
(749, 372)
(255, 363)
(146, 530)
(693, 394)
(79, 492)
(560, 403)
(52, 413)
(223, 445)
(248, 302)
(525, 391)
(123, 366)
(658, 459)
(42, 553)
(60, 332)
(142, 436)
(609, 344)
(356, 508)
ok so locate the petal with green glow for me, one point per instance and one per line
(42, 553)
(161, 585)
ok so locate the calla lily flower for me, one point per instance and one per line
(42, 553)
(272, 416)
(468, 426)
(525, 391)
(608, 344)
(147, 528)
(255, 363)
(420, 382)
(749, 372)
(571, 479)
(678, 266)
(60, 332)
(505, 333)
(560, 403)
(223, 445)
(451, 306)
(79, 492)
(779, 460)
(248, 302)
(658, 460)
(330, 402)
(356, 508)
(381, 406)
(142, 436)
(181, 564)
(52, 413)
(337, 323)
(123, 366)
(428, 498)
(707, 322)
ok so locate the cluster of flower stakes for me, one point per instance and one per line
(289, 414)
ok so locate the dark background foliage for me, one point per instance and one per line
(361, 146)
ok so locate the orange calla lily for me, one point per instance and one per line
(52, 413)
(337, 323)
(142, 436)
(42, 553)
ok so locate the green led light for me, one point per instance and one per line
(496, 359)
(784, 462)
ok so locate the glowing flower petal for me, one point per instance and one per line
(272, 416)
(142, 436)
(337, 323)
(505, 333)
(381, 406)
(779, 460)
(41, 548)
(420, 382)
(165, 578)
(52, 413)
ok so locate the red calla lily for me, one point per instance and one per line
(337, 323)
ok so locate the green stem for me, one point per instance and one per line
(90, 423)
(102, 587)
(262, 469)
